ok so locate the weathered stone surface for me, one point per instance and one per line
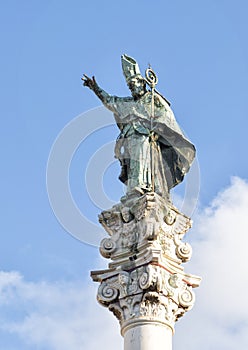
(144, 223)
(145, 281)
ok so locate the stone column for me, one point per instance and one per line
(145, 285)
(148, 337)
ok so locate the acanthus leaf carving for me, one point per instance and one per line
(149, 292)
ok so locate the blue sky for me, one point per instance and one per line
(199, 52)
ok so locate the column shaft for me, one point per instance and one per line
(148, 337)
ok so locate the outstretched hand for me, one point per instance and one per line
(89, 82)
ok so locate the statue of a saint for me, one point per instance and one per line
(153, 152)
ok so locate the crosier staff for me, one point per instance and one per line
(152, 81)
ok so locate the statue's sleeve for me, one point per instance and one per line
(110, 102)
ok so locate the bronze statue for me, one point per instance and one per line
(153, 151)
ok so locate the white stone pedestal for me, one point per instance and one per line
(145, 285)
(148, 337)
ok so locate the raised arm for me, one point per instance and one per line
(100, 93)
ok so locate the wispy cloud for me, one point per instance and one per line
(63, 315)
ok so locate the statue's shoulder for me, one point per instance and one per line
(122, 99)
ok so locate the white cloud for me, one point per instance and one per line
(220, 317)
(63, 315)
(54, 316)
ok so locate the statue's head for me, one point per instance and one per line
(170, 218)
(134, 79)
(137, 86)
(126, 215)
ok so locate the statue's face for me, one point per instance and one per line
(126, 214)
(137, 87)
(170, 218)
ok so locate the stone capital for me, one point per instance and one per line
(145, 282)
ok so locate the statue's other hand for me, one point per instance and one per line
(90, 82)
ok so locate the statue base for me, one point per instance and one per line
(145, 285)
